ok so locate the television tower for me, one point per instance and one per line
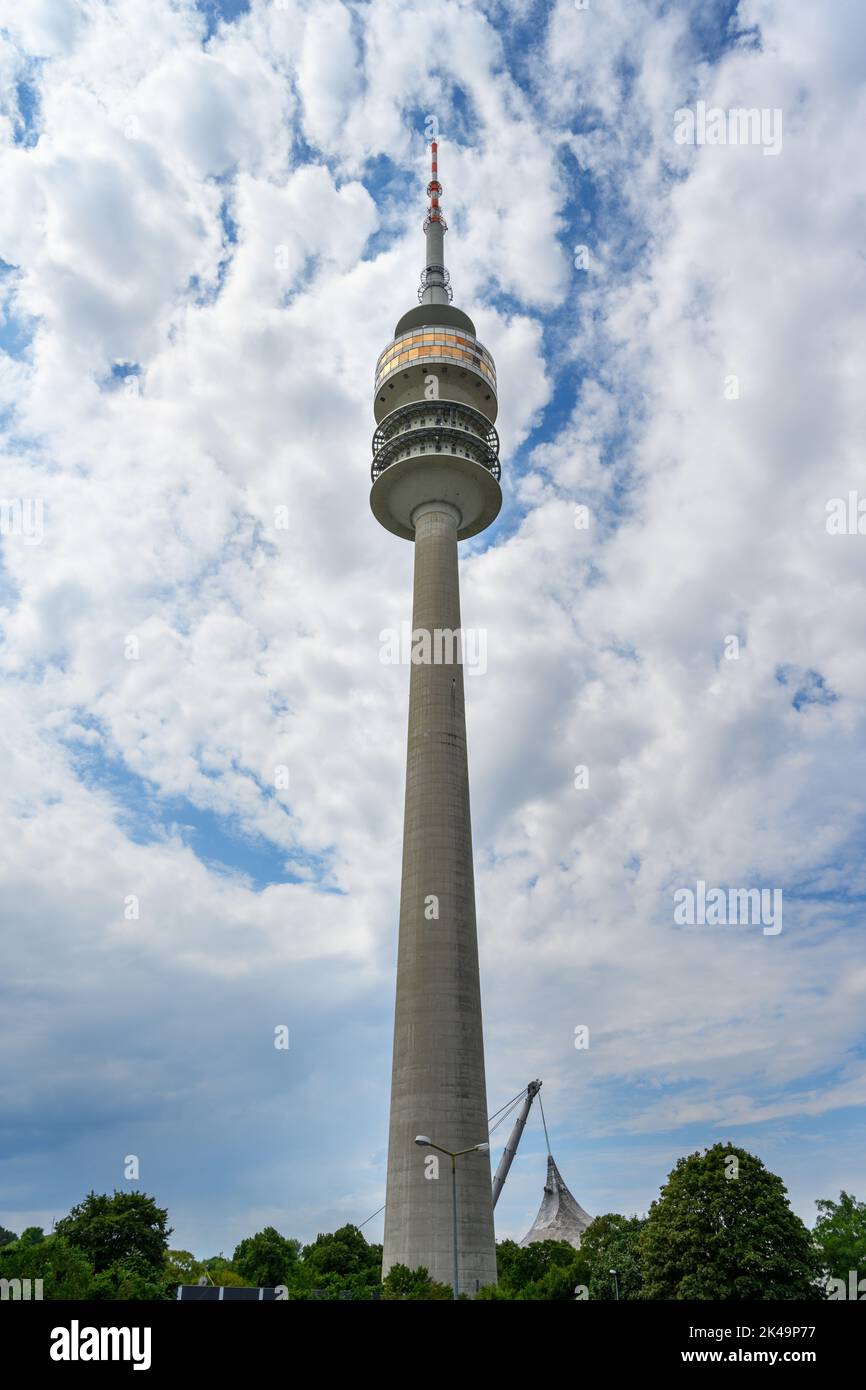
(436, 482)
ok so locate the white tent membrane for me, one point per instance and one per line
(560, 1216)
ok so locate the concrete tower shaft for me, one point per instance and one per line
(436, 481)
(438, 1086)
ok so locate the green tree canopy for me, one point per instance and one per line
(266, 1259)
(345, 1252)
(108, 1229)
(544, 1269)
(133, 1278)
(840, 1235)
(613, 1242)
(6, 1237)
(559, 1284)
(66, 1273)
(222, 1273)
(413, 1285)
(32, 1235)
(723, 1229)
(182, 1267)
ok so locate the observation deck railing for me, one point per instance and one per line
(435, 427)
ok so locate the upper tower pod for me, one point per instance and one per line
(435, 404)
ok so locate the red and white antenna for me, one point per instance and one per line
(434, 190)
(435, 287)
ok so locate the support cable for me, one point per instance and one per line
(544, 1122)
(370, 1218)
(508, 1105)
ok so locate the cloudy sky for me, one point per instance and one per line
(210, 223)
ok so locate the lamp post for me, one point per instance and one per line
(615, 1282)
(425, 1143)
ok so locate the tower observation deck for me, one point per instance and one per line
(435, 481)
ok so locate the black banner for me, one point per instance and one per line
(84, 1339)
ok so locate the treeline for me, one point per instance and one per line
(117, 1247)
(721, 1229)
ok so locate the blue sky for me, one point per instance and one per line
(213, 224)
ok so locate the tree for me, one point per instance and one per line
(220, 1272)
(266, 1259)
(133, 1278)
(494, 1293)
(181, 1267)
(32, 1235)
(109, 1229)
(544, 1269)
(6, 1237)
(613, 1242)
(345, 1252)
(66, 1273)
(840, 1235)
(413, 1285)
(723, 1229)
(339, 1264)
(559, 1284)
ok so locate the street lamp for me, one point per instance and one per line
(424, 1142)
(615, 1282)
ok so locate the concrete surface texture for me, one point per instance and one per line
(438, 1086)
